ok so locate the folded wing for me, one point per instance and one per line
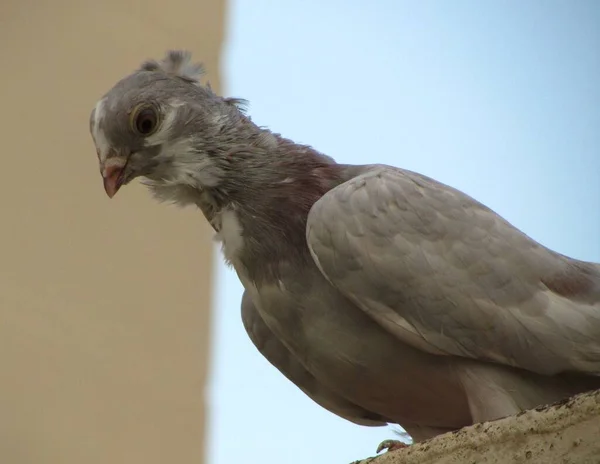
(449, 276)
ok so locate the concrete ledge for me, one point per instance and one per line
(567, 433)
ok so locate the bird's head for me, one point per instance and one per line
(162, 124)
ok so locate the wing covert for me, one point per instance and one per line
(449, 276)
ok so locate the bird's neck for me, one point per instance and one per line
(265, 199)
(256, 189)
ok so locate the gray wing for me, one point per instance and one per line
(280, 357)
(449, 276)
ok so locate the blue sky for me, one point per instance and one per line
(499, 99)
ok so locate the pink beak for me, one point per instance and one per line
(112, 172)
(112, 179)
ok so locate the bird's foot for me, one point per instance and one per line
(391, 445)
(388, 445)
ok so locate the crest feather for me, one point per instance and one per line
(177, 63)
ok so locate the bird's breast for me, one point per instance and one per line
(350, 353)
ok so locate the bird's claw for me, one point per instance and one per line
(391, 445)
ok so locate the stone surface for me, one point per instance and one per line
(565, 433)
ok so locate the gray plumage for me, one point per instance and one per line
(387, 297)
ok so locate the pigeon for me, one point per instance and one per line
(385, 296)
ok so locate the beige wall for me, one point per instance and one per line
(104, 305)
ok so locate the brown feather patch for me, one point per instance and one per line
(577, 279)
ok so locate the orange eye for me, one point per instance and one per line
(144, 120)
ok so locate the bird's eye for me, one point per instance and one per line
(144, 120)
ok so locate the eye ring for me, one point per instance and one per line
(144, 120)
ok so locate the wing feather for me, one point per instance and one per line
(449, 276)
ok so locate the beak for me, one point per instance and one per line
(112, 173)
